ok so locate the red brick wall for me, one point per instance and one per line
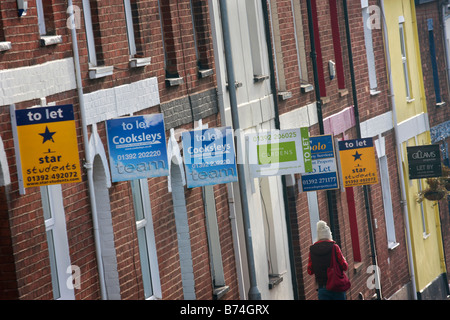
(28, 243)
(393, 264)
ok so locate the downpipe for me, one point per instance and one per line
(87, 165)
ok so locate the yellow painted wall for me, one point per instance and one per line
(417, 104)
(427, 247)
(426, 243)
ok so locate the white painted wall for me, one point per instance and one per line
(256, 112)
(38, 81)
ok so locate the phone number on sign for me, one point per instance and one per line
(43, 179)
(275, 136)
(139, 155)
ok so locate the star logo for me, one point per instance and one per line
(47, 135)
(357, 156)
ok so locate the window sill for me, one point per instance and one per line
(204, 73)
(343, 92)
(357, 267)
(393, 245)
(274, 279)
(374, 92)
(173, 82)
(100, 72)
(5, 45)
(260, 77)
(140, 62)
(284, 95)
(237, 84)
(219, 292)
(50, 40)
(325, 100)
(305, 88)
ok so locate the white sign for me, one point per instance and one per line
(279, 152)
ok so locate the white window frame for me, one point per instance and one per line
(380, 146)
(58, 245)
(41, 18)
(147, 248)
(213, 237)
(387, 202)
(403, 48)
(130, 28)
(270, 194)
(425, 230)
(92, 54)
(257, 37)
(368, 40)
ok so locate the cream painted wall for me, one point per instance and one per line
(413, 129)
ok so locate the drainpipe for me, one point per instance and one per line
(399, 158)
(277, 126)
(87, 165)
(254, 293)
(231, 201)
(366, 188)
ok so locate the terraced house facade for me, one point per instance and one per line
(327, 66)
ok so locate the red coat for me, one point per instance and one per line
(320, 258)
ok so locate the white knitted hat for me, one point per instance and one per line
(323, 231)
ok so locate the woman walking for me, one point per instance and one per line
(320, 255)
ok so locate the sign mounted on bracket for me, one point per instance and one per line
(424, 161)
(279, 152)
(209, 157)
(358, 162)
(137, 147)
(324, 174)
(46, 140)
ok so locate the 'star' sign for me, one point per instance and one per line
(47, 141)
(358, 162)
(424, 161)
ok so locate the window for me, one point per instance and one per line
(272, 209)
(300, 40)
(4, 45)
(58, 247)
(134, 44)
(257, 39)
(146, 239)
(199, 16)
(366, 11)
(95, 55)
(404, 59)
(46, 23)
(387, 202)
(337, 43)
(169, 44)
(45, 19)
(425, 229)
(92, 53)
(434, 67)
(313, 208)
(322, 86)
(130, 27)
(213, 240)
(299, 44)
